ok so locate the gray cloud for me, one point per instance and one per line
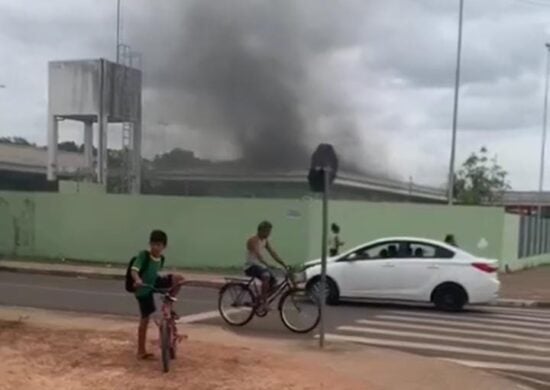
(375, 77)
(240, 69)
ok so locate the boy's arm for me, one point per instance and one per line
(137, 280)
(274, 254)
(138, 263)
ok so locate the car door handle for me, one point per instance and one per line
(388, 266)
(433, 267)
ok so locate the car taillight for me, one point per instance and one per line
(485, 267)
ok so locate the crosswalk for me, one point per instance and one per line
(513, 342)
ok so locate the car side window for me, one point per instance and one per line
(384, 250)
(426, 251)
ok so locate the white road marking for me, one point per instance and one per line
(450, 330)
(432, 336)
(459, 318)
(532, 332)
(545, 320)
(207, 315)
(514, 310)
(501, 366)
(436, 347)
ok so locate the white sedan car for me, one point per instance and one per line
(410, 269)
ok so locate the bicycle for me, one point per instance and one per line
(168, 330)
(244, 295)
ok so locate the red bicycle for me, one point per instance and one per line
(169, 338)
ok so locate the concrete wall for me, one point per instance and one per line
(210, 232)
(74, 187)
(203, 232)
(510, 250)
(510, 245)
(361, 222)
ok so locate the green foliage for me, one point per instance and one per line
(481, 180)
(15, 141)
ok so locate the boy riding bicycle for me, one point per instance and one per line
(145, 274)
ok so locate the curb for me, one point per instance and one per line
(99, 275)
(519, 303)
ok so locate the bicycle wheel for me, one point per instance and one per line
(236, 304)
(165, 338)
(300, 311)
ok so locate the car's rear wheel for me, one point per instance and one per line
(332, 295)
(449, 297)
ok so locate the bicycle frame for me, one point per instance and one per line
(276, 291)
(166, 315)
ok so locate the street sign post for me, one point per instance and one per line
(322, 172)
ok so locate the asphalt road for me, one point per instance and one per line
(510, 342)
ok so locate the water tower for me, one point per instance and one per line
(97, 92)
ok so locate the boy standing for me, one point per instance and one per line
(145, 273)
(334, 243)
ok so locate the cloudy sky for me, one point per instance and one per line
(374, 77)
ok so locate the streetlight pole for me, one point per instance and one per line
(455, 107)
(118, 31)
(543, 150)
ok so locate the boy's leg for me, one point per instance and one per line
(142, 337)
(146, 308)
(177, 281)
(170, 281)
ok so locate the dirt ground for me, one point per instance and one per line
(47, 350)
(47, 358)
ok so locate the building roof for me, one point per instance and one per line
(343, 179)
(32, 159)
(526, 198)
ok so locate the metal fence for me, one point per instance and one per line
(534, 237)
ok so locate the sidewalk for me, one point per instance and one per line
(210, 358)
(519, 289)
(199, 279)
(529, 285)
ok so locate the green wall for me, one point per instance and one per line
(203, 232)
(362, 221)
(210, 232)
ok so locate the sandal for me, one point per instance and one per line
(146, 356)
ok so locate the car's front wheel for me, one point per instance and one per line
(449, 297)
(331, 294)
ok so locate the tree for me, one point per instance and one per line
(69, 146)
(15, 141)
(481, 179)
(178, 159)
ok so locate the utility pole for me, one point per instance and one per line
(118, 31)
(538, 247)
(451, 180)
